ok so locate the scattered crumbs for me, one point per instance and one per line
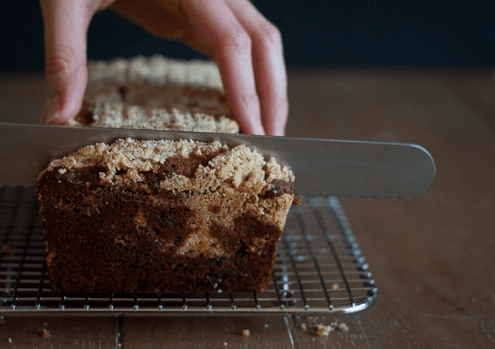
(8, 250)
(303, 326)
(44, 333)
(245, 333)
(322, 330)
(297, 201)
(341, 327)
(335, 286)
(224, 344)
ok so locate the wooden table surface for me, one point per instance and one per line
(433, 258)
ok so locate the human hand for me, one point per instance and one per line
(246, 47)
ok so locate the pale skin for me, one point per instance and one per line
(245, 45)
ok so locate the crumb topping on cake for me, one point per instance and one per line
(118, 115)
(131, 156)
(127, 160)
(156, 69)
(156, 93)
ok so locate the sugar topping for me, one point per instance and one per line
(156, 69)
(156, 93)
(241, 166)
(118, 115)
(130, 155)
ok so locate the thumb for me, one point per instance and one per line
(66, 24)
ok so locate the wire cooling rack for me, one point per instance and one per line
(319, 269)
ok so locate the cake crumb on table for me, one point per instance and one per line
(322, 330)
(303, 326)
(335, 286)
(10, 340)
(245, 333)
(341, 327)
(224, 344)
(44, 333)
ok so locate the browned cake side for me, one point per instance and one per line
(163, 216)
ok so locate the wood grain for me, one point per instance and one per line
(432, 257)
(206, 332)
(62, 332)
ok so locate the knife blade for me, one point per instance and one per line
(321, 166)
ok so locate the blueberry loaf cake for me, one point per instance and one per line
(163, 216)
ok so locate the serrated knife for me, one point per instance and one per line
(321, 166)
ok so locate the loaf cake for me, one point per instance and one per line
(155, 93)
(163, 216)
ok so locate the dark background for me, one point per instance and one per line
(317, 34)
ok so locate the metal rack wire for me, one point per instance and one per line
(319, 269)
